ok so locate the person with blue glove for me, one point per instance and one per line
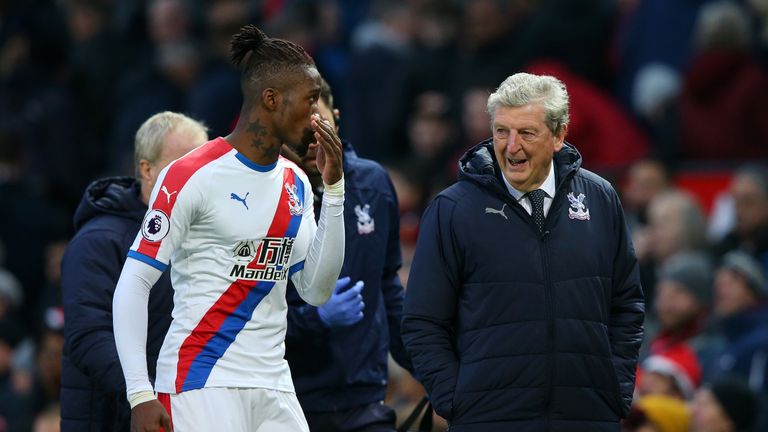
(338, 352)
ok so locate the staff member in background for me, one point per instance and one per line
(109, 215)
(338, 351)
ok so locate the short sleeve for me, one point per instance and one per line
(167, 219)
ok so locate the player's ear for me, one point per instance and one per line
(271, 98)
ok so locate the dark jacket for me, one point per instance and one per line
(342, 368)
(742, 349)
(510, 329)
(92, 385)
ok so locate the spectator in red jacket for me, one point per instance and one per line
(724, 103)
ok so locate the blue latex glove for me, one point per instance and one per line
(345, 307)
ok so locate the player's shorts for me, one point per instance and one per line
(234, 410)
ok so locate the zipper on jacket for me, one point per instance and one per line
(550, 315)
(548, 289)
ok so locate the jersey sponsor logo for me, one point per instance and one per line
(235, 197)
(268, 261)
(365, 223)
(294, 203)
(578, 209)
(245, 250)
(155, 226)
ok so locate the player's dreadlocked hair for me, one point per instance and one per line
(260, 57)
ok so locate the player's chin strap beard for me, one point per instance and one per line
(307, 139)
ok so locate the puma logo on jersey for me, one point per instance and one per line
(168, 195)
(498, 212)
(242, 200)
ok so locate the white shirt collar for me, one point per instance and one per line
(548, 186)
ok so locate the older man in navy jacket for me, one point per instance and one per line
(109, 215)
(524, 309)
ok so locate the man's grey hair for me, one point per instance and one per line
(524, 88)
(149, 138)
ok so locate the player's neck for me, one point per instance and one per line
(254, 138)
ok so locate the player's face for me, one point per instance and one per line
(524, 145)
(300, 103)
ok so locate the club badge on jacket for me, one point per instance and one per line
(365, 223)
(578, 209)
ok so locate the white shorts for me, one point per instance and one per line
(234, 410)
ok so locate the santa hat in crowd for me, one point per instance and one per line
(679, 363)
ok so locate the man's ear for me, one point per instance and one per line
(271, 98)
(144, 171)
(336, 118)
(560, 138)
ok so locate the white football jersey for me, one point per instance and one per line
(234, 231)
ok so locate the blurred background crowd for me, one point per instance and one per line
(669, 100)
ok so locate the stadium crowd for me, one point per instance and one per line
(669, 101)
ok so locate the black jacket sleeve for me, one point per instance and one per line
(627, 310)
(90, 269)
(430, 306)
(391, 287)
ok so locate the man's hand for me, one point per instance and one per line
(344, 308)
(329, 150)
(150, 417)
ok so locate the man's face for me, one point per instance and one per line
(707, 413)
(665, 224)
(657, 384)
(732, 295)
(524, 146)
(675, 305)
(299, 103)
(646, 180)
(751, 205)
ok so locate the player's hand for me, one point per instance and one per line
(345, 307)
(150, 416)
(329, 150)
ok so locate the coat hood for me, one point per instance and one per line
(479, 165)
(118, 196)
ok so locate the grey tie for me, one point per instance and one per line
(537, 207)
